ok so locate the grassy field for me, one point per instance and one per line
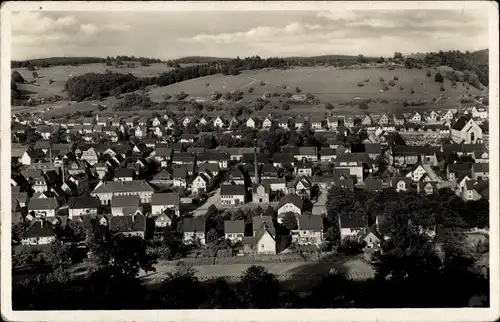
(329, 85)
(60, 74)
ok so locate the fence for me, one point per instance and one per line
(247, 259)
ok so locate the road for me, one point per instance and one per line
(213, 200)
(319, 207)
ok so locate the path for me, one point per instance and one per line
(213, 200)
(252, 82)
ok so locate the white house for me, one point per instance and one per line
(163, 201)
(466, 130)
(233, 194)
(291, 203)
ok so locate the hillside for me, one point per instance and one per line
(481, 56)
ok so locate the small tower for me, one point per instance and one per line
(256, 167)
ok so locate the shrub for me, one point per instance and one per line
(401, 88)
(207, 84)
(181, 95)
(441, 88)
(384, 101)
(328, 106)
(395, 78)
(385, 87)
(298, 90)
(286, 95)
(360, 84)
(285, 106)
(262, 83)
(391, 68)
(366, 80)
(438, 78)
(428, 74)
(51, 81)
(16, 77)
(405, 103)
(392, 83)
(363, 106)
(250, 90)
(412, 91)
(382, 79)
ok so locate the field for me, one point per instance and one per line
(60, 74)
(329, 85)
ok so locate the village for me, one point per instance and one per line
(154, 180)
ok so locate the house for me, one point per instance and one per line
(163, 177)
(432, 117)
(316, 123)
(31, 156)
(213, 168)
(180, 158)
(480, 171)
(179, 177)
(260, 194)
(479, 112)
(163, 155)
(124, 174)
(219, 122)
(374, 150)
(449, 116)
(251, 123)
(163, 220)
(124, 205)
(106, 190)
(404, 155)
(194, 229)
(275, 184)
(416, 118)
(353, 162)
(303, 169)
(332, 122)
(232, 194)
(134, 225)
(82, 206)
(371, 237)
(90, 155)
(40, 183)
(466, 130)
(42, 207)
(481, 156)
(201, 183)
(417, 172)
(457, 171)
(263, 241)
(384, 119)
(307, 153)
(367, 120)
(234, 230)
(351, 225)
(213, 156)
(76, 167)
(374, 184)
(39, 233)
(267, 123)
(280, 159)
(310, 230)
(427, 187)
(301, 186)
(400, 183)
(328, 155)
(163, 201)
(291, 203)
(349, 122)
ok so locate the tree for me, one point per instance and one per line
(428, 73)
(438, 78)
(78, 230)
(35, 75)
(259, 289)
(398, 55)
(16, 77)
(250, 90)
(298, 90)
(181, 289)
(290, 221)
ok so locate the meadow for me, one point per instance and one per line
(330, 85)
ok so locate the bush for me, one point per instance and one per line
(441, 88)
(360, 84)
(262, 83)
(328, 106)
(298, 90)
(384, 101)
(363, 106)
(438, 78)
(395, 78)
(382, 79)
(16, 77)
(287, 95)
(285, 106)
(412, 91)
(385, 87)
(401, 88)
(405, 103)
(250, 90)
(391, 68)
(207, 84)
(51, 81)
(428, 74)
(181, 95)
(392, 83)
(366, 80)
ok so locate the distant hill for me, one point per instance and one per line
(481, 56)
(199, 59)
(56, 61)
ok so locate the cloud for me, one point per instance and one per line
(89, 28)
(34, 23)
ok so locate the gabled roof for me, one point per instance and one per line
(171, 198)
(373, 148)
(123, 186)
(124, 173)
(293, 199)
(234, 226)
(281, 157)
(310, 222)
(39, 229)
(353, 221)
(481, 167)
(42, 204)
(195, 224)
(125, 201)
(122, 224)
(83, 202)
(232, 190)
(308, 150)
(258, 221)
(460, 123)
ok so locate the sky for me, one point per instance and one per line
(168, 35)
